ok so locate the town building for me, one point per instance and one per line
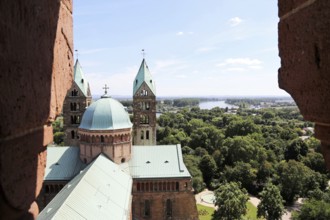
(108, 177)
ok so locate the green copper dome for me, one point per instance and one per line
(105, 114)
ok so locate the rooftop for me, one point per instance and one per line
(158, 161)
(101, 191)
(63, 163)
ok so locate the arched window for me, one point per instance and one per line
(72, 134)
(168, 208)
(142, 135)
(147, 105)
(146, 208)
(102, 139)
(74, 92)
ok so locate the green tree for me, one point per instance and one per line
(192, 163)
(296, 179)
(243, 173)
(208, 167)
(231, 201)
(313, 210)
(59, 138)
(271, 203)
(296, 149)
(241, 128)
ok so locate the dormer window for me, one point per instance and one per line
(136, 81)
(82, 80)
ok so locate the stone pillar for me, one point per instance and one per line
(304, 46)
(36, 51)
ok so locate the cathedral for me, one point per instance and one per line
(112, 168)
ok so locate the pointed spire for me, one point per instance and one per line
(142, 76)
(79, 78)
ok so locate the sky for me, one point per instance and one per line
(192, 47)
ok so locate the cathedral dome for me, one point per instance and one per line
(105, 114)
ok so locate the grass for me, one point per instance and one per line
(251, 213)
(205, 213)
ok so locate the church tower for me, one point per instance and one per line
(77, 99)
(144, 107)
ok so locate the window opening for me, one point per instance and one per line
(168, 208)
(146, 208)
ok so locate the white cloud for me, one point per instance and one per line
(205, 49)
(180, 33)
(235, 21)
(181, 76)
(240, 64)
(243, 61)
(235, 69)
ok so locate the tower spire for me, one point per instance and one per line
(77, 54)
(143, 53)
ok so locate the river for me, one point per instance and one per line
(212, 104)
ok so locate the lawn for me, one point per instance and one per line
(251, 213)
(205, 213)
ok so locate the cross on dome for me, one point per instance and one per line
(105, 91)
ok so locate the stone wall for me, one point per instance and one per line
(157, 192)
(304, 45)
(144, 106)
(35, 72)
(81, 103)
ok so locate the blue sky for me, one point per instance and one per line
(193, 47)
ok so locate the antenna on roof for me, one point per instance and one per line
(77, 54)
(143, 53)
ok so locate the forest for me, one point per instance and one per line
(256, 150)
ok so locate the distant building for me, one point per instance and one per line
(78, 98)
(109, 178)
(144, 107)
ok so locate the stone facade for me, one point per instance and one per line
(304, 45)
(48, 192)
(36, 68)
(116, 144)
(74, 106)
(169, 198)
(144, 116)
